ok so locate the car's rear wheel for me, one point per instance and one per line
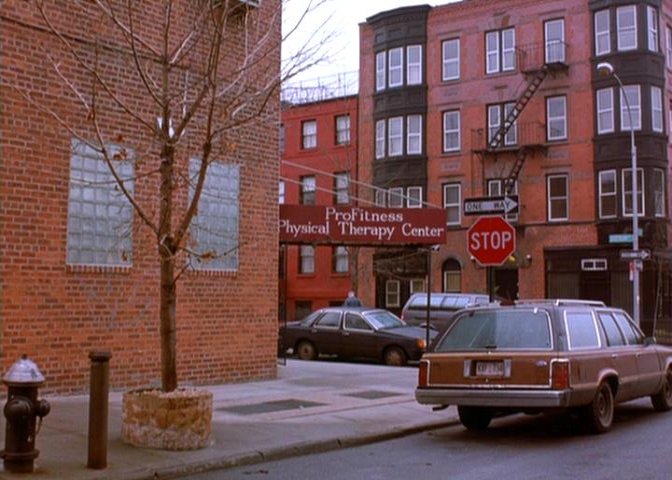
(662, 401)
(394, 356)
(600, 413)
(305, 350)
(474, 418)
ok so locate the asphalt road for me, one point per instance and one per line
(638, 447)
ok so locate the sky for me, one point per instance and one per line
(341, 19)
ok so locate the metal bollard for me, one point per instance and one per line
(98, 409)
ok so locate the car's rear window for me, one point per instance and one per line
(498, 329)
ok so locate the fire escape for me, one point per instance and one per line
(535, 62)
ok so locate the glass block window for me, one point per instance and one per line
(215, 229)
(100, 217)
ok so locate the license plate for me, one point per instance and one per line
(489, 369)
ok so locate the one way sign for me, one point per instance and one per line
(489, 205)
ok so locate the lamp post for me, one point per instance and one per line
(607, 69)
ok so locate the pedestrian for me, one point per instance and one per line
(352, 300)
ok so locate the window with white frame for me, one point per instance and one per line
(381, 70)
(306, 259)
(500, 51)
(395, 197)
(668, 46)
(342, 129)
(452, 276)
(395, 139)
(281, 139)
(626, 28)
(215, 229)
(630, 97)
(602, 32)
(556, 118)
(414, 134)
(392, 293)
(380, 139)
(341, 188)
(395, 59)
(414, 65)
(558, 198)
(652, 24)
(309, 134)
(414, 197)
(308, 189)
(626, 181)
(452, 202)
(281, 192)
(381, 197)
(656, 109)
(340, 262)
(100, 217)
(658, 187)
(417, 285)
(451, 131)
(605, 110)
(496, 116)
(607, 194)
(554, 35)
(496, 187)
(451, 59)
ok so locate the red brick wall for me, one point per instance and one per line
(56, 314)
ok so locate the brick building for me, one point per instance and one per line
(78, 268)
(479, 98)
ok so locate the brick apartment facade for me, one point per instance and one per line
(56, 303)
(437, 90)
(319, 167)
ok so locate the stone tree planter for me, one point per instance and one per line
(177, 420)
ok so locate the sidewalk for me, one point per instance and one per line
(310, 407)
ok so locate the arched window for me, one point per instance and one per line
(452, 276)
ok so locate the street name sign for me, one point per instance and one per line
(491, 240)
(634, 254)
(488, 205)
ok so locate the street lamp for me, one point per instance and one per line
(607, 69)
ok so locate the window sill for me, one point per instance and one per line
(113, 269)
(205, 272)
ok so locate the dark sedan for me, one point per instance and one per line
(355, 332)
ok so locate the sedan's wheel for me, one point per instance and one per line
(474, 418)
(600, 413)
(394, 356)
(662, 401)
(305, 350)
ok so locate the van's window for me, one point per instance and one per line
(581, 330)
(420, 301)
(498, 329)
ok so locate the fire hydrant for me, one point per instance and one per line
(21, 411)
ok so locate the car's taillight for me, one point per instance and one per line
(423, 371)
(560, 374)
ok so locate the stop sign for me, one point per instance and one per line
(491, 240)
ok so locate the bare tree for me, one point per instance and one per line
(177, 79)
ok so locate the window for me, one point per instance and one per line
(356, 322)
(497, 188)
(341, 185)
(451, 131)
(500, 48)
(396, 197)
(339, 260)
(417, 285)
(414, 197)
(605, 110)
(452, 276)
(342, 129)
(607, 194)
(308, 188)
(611, 330)
(658, 186)
(602, 33)
(626, 28)
(381, 197)
(668, 46)
(380, 71)
(627, 191)
(215, 228)
(558, 198)
(633, 100)
(282, 139)
(281, 192)
(306, 259)
(594, 264)
(581, 330)
(396, 68)
(414, 134)
(309, 134)
(652, 23)
(329, 320)
(554, 33)
(302, 309)
(451, 59)
(395, 139)
(631, 334)
(452, 202)
(556, 118)
(414, 65)
(392, 293)
(496, 117)
(100, 217)
(656, 109)
(380, 139)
